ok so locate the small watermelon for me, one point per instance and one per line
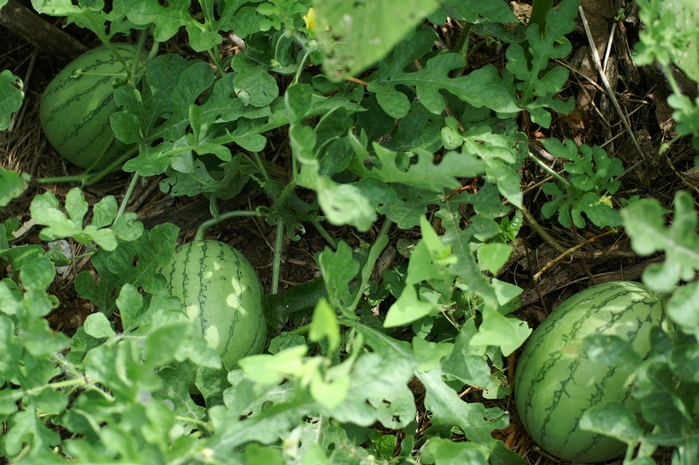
(556, 382)
(222, 297)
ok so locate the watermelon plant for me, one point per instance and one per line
(391, 132)
(78, 102)
(556, 382)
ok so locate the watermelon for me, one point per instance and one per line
(222, 297)
(77, 103)
(555, 382)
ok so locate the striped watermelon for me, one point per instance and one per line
(77, 103)
(556, 383)
(222, 296)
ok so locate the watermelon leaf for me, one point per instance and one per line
(11, 97)
(590, 181)
(375, 29)
(611, 351)
(537, 88)
(136, 262)
(46, 211)
(615, 420)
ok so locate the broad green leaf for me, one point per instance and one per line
(324, 325)
(466, 268)
(271, 369)
(611, 350)
(406, 309)
(331, 389)
(38, 274)
(481, 88)
(315, 455)
(612, 419)
(418, 129)
(475, 11)
(256, 454)
(46, 211)
(505, 292)
(10, 297)
(448, 410)
(168, 18)
(670, 35)
(421, 267)
(338, 269)
(266, 427)
(682, 307)
(252, 83)
(395, 103)
(120, 367)
(136, 262)
(12, 185)
(298, 100)
(493, 256)
(344, 204)
(498, 330)
(11, 97)
(684, 362)
(536, 87)
(463, 364)
(422, 173)
(97, 325)
(429, 354)
(354, 36)
(26, 428)
(378, 391)
(645, 224)
(441, 451)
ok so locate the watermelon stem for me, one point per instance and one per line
(549, 170)
(374, 253)
(199, 235)
(324, 233)
(86, 178)
(127, 196)
(277, 261)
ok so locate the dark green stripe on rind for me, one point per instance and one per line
(553, 378)
(222, 295)
(75, 112)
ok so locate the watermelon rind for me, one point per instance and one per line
(556, 382)
(76, 106)
(222, 296)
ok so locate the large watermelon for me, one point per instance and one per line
(77, 103)
(222, 296)
(556, 382)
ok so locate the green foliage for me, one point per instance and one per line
(12, 185)
(46, 211)
(588, 188)
(671, 38)
(353, 35)
(11, 96)
(537, 89)
(386, 130)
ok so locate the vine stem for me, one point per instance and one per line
(549, 170)
(85, 178)
(277, 261)
(201, 230)
(374, 254)
(127, 196)
(541, 231)
(324, 233)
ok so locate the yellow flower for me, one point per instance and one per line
(310, 19)
(606, 200)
